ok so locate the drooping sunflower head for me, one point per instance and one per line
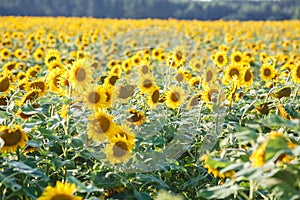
(111, 79)
(296, 73)
(124, 92)
(30, 96)
(5, 83)
(9, 66)
(80, 74)
(51, 56)
(62, 191)
(32, 71)
(13, 138)
(174, 97)
(38, 84)
(136, 117)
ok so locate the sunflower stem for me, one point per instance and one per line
(21, 174)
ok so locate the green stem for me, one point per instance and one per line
(21, 174)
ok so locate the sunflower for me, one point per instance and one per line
(126, 65)
(119, 150)
(296, 73)
(136, 118)
(51, 56)
(146, 83)
(267, 72)
(39, 84)
(194, 101)
(108, 90)
(136, 60)
(5, 54)
(283, 92)
(247, 77)
(30, 96)
(179, 55)
(13, 138)
(220, 59)
(21, 76)
(80, 74)
(233, 71)
(125, 92)
(32, 71)
(100, 126)
(116, 70)
(195, 82)
(9, 66)
(210, 75)
(111, 79)
(63, 191)
(56, 64)
(18, 53)
(95, 97)
(153, 97)
(4, 100)
(145, 68)
(196, 65)
(237, 57)
(156, 54)
(53, 80)
(210, 94)
(174, 97)
(5, 83)
(38, 54)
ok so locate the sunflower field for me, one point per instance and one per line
(149, 109)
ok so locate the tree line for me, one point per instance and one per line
(181, 9)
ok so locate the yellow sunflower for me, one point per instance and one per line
(146, 83)
(108, 90)
(51, 56)
(211, 94)
(179, 55)
(126, 65)
(39, 84)
(5, 53)
(9, 66)
(196, 65)
(119, 150)
(247, 77)
(174, 97)
(80, 74)
(30, 96)
(145, 68)
(210, 75)
(194, 101)
(156, 53)
(32, 71)
(233, 71)
(153, 97)
(100, 126)
(95, 97)
(116, 70)
(5, 83)
(220, 58)
(56, 64)
(62, 191)
(111, 79)
(237, 57)
(136, 118)
(13, 138)
(21, 76)
(53, 80)
(296, 73)
(38, 54)
(267, 72)
(195, 82)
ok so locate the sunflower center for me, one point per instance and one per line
(80, 74)
(104, 123)
(11, 66)
(3, 101)
(56, 80)
(233, 72)
(209, 76)
(94, 97)
(179, 77)
(211, 93)
(175, 96)
(248, 76)
(147, 83)
(179, 55)
(4, 84)
(32, 96)
(38, 85)
(220, 59)
(62, 197)
(156, 53)
(126, 91)
(120, 148)
(12, 138)
(237, 58)
(155, 96)
(108, 96)
(52, 58)
(267, 72)
(298, 72)
(198, 66)
(134, 118)
(113, 79)
(145, 69)
(5, 53)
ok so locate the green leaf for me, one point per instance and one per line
(142, 195)
(275, 121)
(26, 169)
(219, 192)
(149, 179)
(245, 134)
(81, 187)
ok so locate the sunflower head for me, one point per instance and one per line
(153, 97)
(13, 138)
(80, 74)
(174, 97)
(51, 56)
(136, 117)
(267, 72)
(146, 83)
(220, 58)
